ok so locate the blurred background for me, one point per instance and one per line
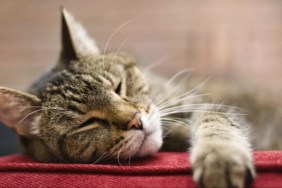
(238, 40)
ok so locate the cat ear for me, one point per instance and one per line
(75, 40)
(19, 111)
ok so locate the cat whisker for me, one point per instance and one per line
(105, 157)
(180, 123)
(100, 158)
(166, 131)
(155, 64)
(41, 107)
(175, 121)
(61, 113)
(120, 46)
(180, 108)
(119, 154)
(177, 100)
(112, 35)
(201, 106)
(33, 112)
(106, 154)
(175, 125)
(189, 92)
(220, 106)
(177, 75)
(150, 116)
(163, 96)
(175, 87)
(29, 107)
(174, 110)
(109, 154)
(129, 159)
(201, 111)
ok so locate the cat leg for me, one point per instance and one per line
(221, 154)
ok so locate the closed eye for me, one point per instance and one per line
(118, 89)
(94, 120)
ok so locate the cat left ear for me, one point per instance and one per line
(75, 40)
(19, 111)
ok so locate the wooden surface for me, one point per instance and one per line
(240, 40)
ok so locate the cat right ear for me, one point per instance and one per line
(75, 40)
(20, 111)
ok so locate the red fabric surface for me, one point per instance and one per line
(163, 170)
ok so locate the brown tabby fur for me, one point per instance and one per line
(80, 111)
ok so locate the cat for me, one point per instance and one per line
(95, 106)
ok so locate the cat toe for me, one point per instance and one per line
(219, 170)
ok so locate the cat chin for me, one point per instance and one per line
(142, 144)
(151, 144)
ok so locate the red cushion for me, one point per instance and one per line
(166, 169)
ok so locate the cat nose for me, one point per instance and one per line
(135, 122)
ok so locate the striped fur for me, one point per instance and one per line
(80, 112)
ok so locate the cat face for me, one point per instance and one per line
(90, 107)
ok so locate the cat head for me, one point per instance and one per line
(92, 106)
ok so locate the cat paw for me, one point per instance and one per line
(222, 167)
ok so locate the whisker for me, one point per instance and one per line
(201, 106)
(41, 107)
(190, 91)
(60, 113)
(112, 35)
(119, 154)
(176, 100)
(29, 107)
(180, 123)
(112, 151)
(107, 154)
(177, 75)
(175, 87)
(129, 159)
(33, 112)
(100, 158)
(150, 117)
(167, 131)
(120, 46)
(202, 111)
(155, 64)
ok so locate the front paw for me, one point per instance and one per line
(222, 165)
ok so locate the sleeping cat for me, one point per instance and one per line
(95, 106)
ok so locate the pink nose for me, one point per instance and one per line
(135, 122)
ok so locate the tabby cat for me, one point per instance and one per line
(95, 106)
